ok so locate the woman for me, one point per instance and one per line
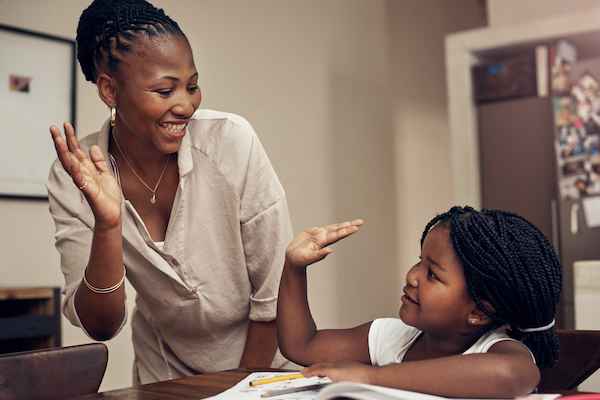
(184, 202)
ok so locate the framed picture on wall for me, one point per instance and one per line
(37, 89)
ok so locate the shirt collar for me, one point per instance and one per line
(184, 154)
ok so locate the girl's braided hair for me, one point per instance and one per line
(510, 263)
(108, 28)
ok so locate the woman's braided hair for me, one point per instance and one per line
(510, 263)
(108, 28)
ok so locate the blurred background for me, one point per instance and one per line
(349, 99)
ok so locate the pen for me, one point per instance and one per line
(294, 390)
(277, 379)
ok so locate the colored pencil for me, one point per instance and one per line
(277, 379)
(297, 389)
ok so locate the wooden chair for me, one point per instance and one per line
(579, 358)
(54, 373)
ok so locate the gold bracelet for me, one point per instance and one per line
(105, 290)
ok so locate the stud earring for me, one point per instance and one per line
(113, 116)
(472, 320)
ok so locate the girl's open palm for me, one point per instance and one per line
(90, 174)
(310, 246)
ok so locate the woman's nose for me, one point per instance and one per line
(184, 106)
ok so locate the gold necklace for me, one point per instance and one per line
(153, 199)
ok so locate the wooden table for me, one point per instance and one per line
(192, 387)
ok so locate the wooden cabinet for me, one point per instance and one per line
(29, 318)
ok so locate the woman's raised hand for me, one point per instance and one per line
(90, 175)
(310, 245)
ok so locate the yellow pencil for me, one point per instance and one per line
(277, 379)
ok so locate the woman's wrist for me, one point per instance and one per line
(105, 290)
(108, 227)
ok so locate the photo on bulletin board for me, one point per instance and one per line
(37, 90)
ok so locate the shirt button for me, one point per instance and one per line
(175, 263)
(194, 289)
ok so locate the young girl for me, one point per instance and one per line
(478, 271)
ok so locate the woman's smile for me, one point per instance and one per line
(174, 130)
(159, 98)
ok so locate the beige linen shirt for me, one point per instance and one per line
(223, 252)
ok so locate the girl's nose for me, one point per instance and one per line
(412, 277)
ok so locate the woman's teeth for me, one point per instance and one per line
(174, 128)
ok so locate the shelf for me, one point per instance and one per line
(29, 319)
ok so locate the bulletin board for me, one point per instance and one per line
(37, 90)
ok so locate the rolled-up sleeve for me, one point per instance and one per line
(266, 237)
(266, 230)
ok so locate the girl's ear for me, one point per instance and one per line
(107, 89)
(478, 317)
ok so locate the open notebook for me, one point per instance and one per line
(333, 391)
(359, 391)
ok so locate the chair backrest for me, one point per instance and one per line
(55, 373)
(579, 358)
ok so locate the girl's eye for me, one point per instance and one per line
(164, 93)
(430, 274)
(193, 89)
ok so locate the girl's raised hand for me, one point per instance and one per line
(90, 175)
(310, 245)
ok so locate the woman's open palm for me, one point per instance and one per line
(310, 245)
(90, 174)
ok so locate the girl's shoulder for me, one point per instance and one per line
(484, 344)
(393, 324)
(488, 340)
(389, 339)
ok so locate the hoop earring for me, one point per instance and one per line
(113, 116)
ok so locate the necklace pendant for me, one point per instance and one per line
(153, 199)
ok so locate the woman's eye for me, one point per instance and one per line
(164, 92)
(193, 89)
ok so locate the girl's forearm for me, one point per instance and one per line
(295, 324)
(467, 376)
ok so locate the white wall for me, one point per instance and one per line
(348, 98)
(587, 297)
(505, 12)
